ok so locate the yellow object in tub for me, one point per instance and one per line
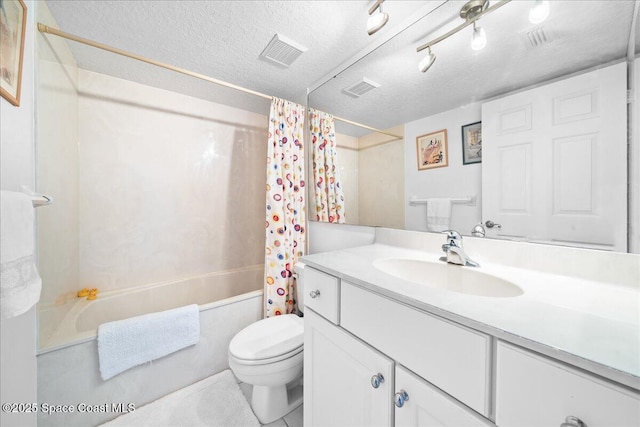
(83, 292)
(93, 294)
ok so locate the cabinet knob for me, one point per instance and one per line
(573, 422)
(376, 380)
(400, 398)
(314, 294)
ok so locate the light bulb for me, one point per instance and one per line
(479, 40)
(539, 11)
(427, 61)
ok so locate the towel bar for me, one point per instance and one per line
(36, 198)
(471, 201)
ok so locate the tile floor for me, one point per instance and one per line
(292, 419)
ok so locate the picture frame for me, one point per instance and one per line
(472, 143)
(432, 150)
(13, 26)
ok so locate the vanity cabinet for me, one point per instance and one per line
(374, 360)
(533, 390)
(346, 382)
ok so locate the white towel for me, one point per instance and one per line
(20, 283)
(438, 214)
(124, 344)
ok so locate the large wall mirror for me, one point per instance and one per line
(533, 127)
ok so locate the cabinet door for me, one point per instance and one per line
(532, 391)
(427, 406)
(338, 371)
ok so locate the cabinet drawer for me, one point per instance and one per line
(532, 390)
(322, 293)
(453, 358)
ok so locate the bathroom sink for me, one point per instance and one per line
(453, 278)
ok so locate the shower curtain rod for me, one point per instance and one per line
(49, 30)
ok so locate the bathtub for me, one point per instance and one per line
(68, 369)
(208, 291)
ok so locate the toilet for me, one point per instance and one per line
(268, 354)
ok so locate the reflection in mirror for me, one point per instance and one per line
(550, 150)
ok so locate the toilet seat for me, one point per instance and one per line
(268, 340)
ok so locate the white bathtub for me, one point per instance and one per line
(208, 291)
(68, 369)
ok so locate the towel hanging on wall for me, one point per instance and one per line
(438, 214)
(20, 283)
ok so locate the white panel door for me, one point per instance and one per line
(427, 406)
(554, 162)
(338, 371)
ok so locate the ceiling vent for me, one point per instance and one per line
(535, 37)
(282, 51)
(358, 89)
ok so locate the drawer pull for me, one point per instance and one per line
(573, 422)
(400, 398)
(314, 294)
(376, 380)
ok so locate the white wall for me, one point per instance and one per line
(170, 185)
(381, 184)
(455, 180)
(18, 371)
(634, 217)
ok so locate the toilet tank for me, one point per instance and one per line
(298, 269)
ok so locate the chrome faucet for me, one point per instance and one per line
(454, 252)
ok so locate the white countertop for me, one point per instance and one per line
(592, 325)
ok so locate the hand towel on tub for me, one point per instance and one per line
(438, 214)
(126, 343)
(20, 283)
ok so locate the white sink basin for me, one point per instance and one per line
(465, 280)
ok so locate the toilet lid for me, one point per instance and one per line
(268, 338)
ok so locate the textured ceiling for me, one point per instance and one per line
(223, 39)
(582, 34)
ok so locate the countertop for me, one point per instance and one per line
(592, 325)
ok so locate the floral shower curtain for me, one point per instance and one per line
(285, 235)
(329, 196)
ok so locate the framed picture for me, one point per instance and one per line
(13, 24)
(472, 143)
(432, 150)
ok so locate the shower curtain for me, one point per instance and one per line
(329, 196)
(285, 235)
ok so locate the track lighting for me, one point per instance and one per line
(479, 40)
(472, 11)
(539, 11)
(427, 61)
(377, 18)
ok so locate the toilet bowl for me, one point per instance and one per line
(268, 354)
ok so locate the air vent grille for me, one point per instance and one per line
(535, 37)
(358, 89)
(282, 51)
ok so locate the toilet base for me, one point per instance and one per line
(272, 403)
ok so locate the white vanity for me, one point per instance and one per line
(386, 343)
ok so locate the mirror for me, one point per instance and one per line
(522, 64)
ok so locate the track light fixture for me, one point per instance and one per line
(472, 11)
(377, 18)
(427, 61)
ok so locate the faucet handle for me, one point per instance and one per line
(452, 235)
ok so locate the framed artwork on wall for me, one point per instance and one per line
(432, 150)
(13, 25)
(472, 143)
